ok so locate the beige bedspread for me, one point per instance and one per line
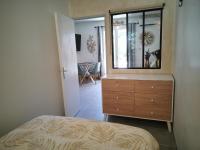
(63, 133)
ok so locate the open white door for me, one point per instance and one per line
(68, 63)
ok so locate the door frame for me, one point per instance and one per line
(106, 36)
(59, 56)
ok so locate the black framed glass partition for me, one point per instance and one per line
(137, 39)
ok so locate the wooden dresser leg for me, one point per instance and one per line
(169, 126)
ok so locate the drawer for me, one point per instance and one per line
(153, 100)
(110, 97)
(155, 113)
(148, 86)
(118, 109)
(117, 85)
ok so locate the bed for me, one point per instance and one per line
(66, 133)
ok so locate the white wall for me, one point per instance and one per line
(86, 29)
(187, 77)
(91, 8)
(29, 67)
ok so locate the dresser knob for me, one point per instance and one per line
(152, 113)
(152, 86)
(152, 100)
(117, 97)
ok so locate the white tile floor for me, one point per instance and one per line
(91, 101)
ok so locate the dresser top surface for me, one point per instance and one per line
(167, 77)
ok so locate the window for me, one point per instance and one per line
(136, 39)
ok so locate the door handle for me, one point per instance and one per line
(64, 70)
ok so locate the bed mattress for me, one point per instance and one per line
(66, 133)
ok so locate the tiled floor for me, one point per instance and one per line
(91, 108)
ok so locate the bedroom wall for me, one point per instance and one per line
(86, 29)
(29, 76)
(92, 8)
(187, 77)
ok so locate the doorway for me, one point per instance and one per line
(91, 59)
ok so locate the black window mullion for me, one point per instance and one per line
(127, 39)
(143, 30)
(161, 19)
(113, 64)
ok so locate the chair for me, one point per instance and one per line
(92, 67)
(96, 71)
(81, 72)
(85, 70)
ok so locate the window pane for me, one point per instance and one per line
(152, 48)
(119, 41)
(135, 30)
(137, 39)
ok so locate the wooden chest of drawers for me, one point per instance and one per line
(138, 97)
